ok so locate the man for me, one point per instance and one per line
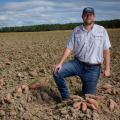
(90, 45)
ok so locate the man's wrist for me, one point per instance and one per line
(60, 63)
(108, 69)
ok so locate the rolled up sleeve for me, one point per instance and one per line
(106, 44)
(70, 42)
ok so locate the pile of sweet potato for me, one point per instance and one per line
(108, 88)
(91, 102)
(17, 92)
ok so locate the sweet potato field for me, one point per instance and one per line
(27, 60)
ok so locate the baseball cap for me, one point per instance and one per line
(88, 10)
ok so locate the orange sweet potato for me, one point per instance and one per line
(84, 107)
(112, 105)
(91, 106)
(107, 86)
(34, 85)
(77, 105)
(18, 90)
(92, 101)
(25, 88)
(98, 98)
(1, 82)
(75, 97)
(8, 98)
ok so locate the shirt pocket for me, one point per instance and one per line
(77, 35)
(97, 38)
(78, 38)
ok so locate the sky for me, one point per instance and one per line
(32, 12)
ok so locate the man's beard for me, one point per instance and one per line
(88, 22)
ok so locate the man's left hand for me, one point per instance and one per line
(106, 73)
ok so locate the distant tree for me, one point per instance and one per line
(50, 27)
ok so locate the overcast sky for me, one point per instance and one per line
(30, 12)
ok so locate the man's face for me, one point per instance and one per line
(88, 18)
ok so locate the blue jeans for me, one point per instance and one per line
(89, 76)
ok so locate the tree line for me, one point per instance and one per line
(50, 27)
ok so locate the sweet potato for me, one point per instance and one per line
(107, 86)
(112, 105)
(8, 98)
(109, 91)
(77, 105)
(91, 106)
(92, 101)
(98, 98)
(34, 85)
(84, 107)
(25, 88)
(1, 82)
(18, 90)
(114, 91)
(76, 97)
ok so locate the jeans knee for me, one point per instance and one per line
(56, 78)
(57, 75)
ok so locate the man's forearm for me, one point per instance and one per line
(106, 54)
(66, 53)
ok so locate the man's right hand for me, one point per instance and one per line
(57, 67)
(66, 53)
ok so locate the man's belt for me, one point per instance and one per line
(88, 64)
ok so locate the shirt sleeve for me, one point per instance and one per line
(70, 42)
(106, 44)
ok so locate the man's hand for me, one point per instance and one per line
(57, 67)
(106, 73)
(66, 53)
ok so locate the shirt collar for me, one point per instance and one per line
(83, 27)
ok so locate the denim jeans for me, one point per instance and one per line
(89, 76)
